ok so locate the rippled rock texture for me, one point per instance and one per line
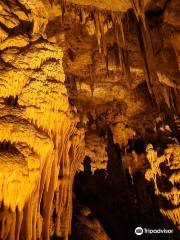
(94, 80)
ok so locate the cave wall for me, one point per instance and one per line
(40, 144)
(70, 72)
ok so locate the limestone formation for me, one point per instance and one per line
(166, 181)
(90, 90)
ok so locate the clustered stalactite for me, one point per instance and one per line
(41, 146)
(49, 147)
(122, 52)
(155, 82)
(101, 24)
(161, 88)
(41, 136)
(163, 91)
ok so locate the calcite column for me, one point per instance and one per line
(40, 144)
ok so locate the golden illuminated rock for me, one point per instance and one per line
(73, 73)
(170, 160)
(39, 155)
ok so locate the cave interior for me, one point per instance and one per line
(89, 119)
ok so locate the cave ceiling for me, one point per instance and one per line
(112, 5)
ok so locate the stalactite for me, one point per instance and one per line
(62, 4)
(47, 203)
(103, 41)
(114, 19)
(172, 100)
(122, 29)
(135, 8)
(83, 16)
(145, 57)
(165, 93)
(64, 201)
(40, 125)
(145, 43)
(175, 99)
(100, 36)
(98, 32)
(19, 219)
(42, 140)
(123, 54)
(101, 27)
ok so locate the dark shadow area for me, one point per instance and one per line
(119, 201)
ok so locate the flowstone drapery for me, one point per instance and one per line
(40, 144)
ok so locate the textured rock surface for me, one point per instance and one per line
(40, 144)
(113, 5)
(87, 78)
(166, 181)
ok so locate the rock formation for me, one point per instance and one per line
(40, 144)
(96, 83)
(165, 173)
